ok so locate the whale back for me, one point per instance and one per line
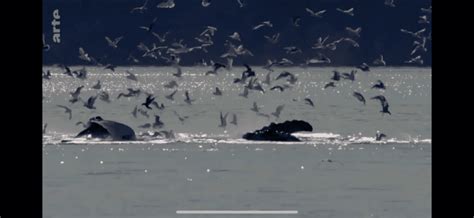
(290, 126)
(117, 131)
(107, 129)
(279, 131)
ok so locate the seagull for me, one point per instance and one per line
(419, 46)
(255, 107)
(241, 3)
(353, 42)
(292, 50)
(143, 113)
(309, 102)
(162, 39)
(110, 67)
(349, 76)
(145, 126)
(166, 4)
(182, 119)
(205, 3)
(150, 26)
(67, 110)
(171, 96)
(359, 97)
(281, 88)
(291, 78)
(209, 29)
(216, 67)
(284, 62)
(234, 119)
(296, 21)
(426, 10)
(67, 70)
(130, 93)
(379, 61)
(75, 94)
(378, 85)
(273, 39)
(336, 76)
(178, 73)
(320, 43)
(390, 3)
(149, 99)
(384, 104)
(364, 67)
(83, 55)
(47, 75)
(316, 14)
(223, 119)
(134, 112)
(113, 43)
(104, 96)
(416, 34)
(267, 79)
(320, 59)
(171, 84)
(245, 93)
(46, 47)
(81, 123)
(264, 23)
(188, 100)
(217, 92)
(379, 136)
(97, 86)
(278, 111)
(157, 123)
(416, 60)
(355, 32)
(140, 9)
(131, 76)
(235, 36)
(349, 11)
(423, 19)
(330, 84)
(90, 102)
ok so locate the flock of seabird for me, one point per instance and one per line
(172, 52)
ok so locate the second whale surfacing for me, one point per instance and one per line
(279, 131)
(107, 129)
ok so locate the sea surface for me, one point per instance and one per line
(338, 170)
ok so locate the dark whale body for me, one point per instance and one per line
(279, 131)
(107, 129)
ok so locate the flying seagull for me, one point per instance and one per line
(349, 11)
(316, 14)
(390, 3)
(359, 97)
(355, 32)
(255, 107)
(273, 39)
(217, 92)
(140, 9)
(83, 55)
(278, 111)
(149, 99)
(379, 136)
(235, 36)
(67, 110)
(309, 102)
(90, 102)
(330, 84)
(205, 3)
(97, 86)
(378, 85)
(171, 96)
(379, 61)
(223, 119)
(166, 4)
(150, 26)
(263, 24)
(188, 100)
(131, 76)
(113, 43)
(234, 119)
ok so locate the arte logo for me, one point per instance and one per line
(56, 30)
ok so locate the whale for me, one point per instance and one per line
(279, 131)
(107, 130)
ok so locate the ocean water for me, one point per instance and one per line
(207, 167)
